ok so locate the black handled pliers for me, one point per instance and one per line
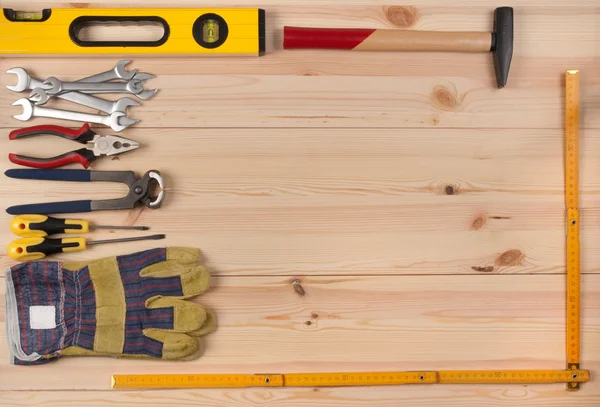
(140, 190)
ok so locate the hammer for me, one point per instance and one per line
(499, 41)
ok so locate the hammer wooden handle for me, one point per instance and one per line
(385, 40)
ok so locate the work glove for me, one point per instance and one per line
(124, 306)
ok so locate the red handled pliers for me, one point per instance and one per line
(97, 145)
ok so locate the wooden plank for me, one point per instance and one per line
(406, 396)
(359, 323)
(429, 101)
(345, 201)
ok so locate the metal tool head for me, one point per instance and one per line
(52, 85)
(126, 121)
(123, 73)
(502, 43)
(154, 177)
(23, 80)
(122, 104)
(135, 86)
(143, 76)
(117, 122)
(27, 109)
(113, 145)
(39, 96)
(147, 94)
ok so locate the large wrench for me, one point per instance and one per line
(30, 110)
(25, 81)
(54, 86)
(118, 72)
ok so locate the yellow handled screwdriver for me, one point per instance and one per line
(36, 248)
(42, 225)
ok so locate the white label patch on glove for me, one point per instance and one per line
(42, 317)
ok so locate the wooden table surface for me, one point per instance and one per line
(420, 207)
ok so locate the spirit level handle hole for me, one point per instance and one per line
(113, 31)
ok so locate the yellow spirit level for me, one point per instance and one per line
(185, 31)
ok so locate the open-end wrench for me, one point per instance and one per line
(54, 86)
(118, 72)
(26, 81)
(30, 110)
(91, 101)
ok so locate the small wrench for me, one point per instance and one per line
(41, 94)
(54, 86)
(118, 72)
(25, 81)
(30, 110)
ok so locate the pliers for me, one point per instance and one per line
(97, 145)
(141, 190)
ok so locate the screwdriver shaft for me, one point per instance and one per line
(119, 227)
(126, 239)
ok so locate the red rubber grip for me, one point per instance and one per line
(54, 162)
(48, 129)
(330, 38)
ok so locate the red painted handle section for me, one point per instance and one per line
(60, 131)
(330, 38)
(54, 162)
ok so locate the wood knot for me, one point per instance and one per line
(510, 258)
(298, 287)
(479, 222)
(445, 99)
(402, 16)
(450, 190)
(314, 315)
(486, 269)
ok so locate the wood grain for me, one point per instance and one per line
(345, 201)
(407, 396)
(360, 323)
(420, 207)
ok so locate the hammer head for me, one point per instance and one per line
(502, 43)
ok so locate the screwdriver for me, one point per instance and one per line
(35, 248)
(42, 225)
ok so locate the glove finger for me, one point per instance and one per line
(186, 316)
(210, 324)
(131, 263)
(173, 345)
(175, 280)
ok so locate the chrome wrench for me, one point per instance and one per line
(54, 86)
(118, 72)
(30, 110)
(26, 81)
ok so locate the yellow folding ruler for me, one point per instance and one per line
(185, 31)
(572, 202)
(572, 375)
(175, 381)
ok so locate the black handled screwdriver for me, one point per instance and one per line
(42, 225)
(36, 248)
